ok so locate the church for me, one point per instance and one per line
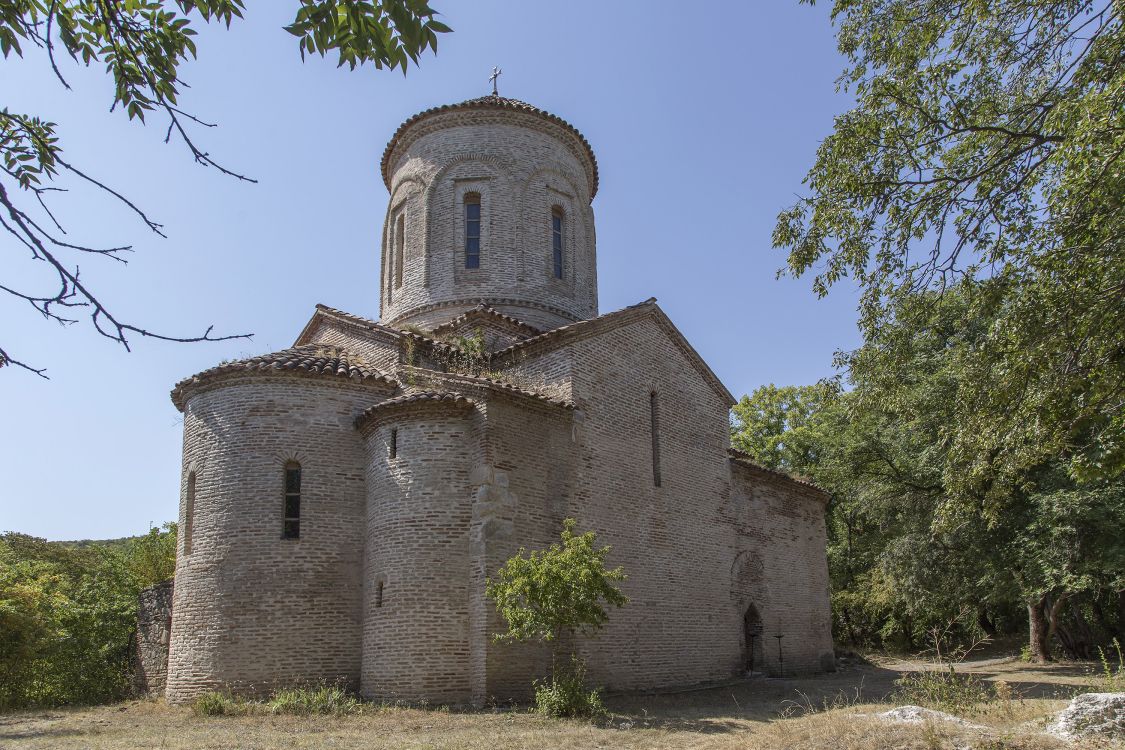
(345, 500)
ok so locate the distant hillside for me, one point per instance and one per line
(119, 542)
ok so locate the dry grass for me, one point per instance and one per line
(829, 713)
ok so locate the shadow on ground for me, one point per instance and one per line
(725, 708)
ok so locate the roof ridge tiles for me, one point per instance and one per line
(489, 383)
(483, 309)
(429, 399)
(302, 360)
(747, 459)
(591, 326)
(563, 329)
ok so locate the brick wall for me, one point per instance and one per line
(781, 568)
(154, 629)
(522, 482)
(415, 633)
(683, 543)
(253, 610)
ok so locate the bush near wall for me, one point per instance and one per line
(68, 612)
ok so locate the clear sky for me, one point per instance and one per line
(704, 118)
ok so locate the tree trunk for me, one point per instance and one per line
(1102, 620)
(985, 624)
(1121, 612)
(1040, 630)
(1079, 640)
(846, 616)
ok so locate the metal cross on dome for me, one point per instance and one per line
(492, 79)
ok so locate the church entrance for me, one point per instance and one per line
(752, 640)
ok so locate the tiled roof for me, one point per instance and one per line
(746, 459)
(410, 398)
(483, 311)
(314, 360)
(487, 383)
(489, 102)
(571, 328)
(356, 320)
(429, 398)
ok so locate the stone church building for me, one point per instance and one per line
(344, 500)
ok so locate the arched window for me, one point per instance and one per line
(557, 241)
(189, 512)
(400, 240)
(654, 424)
(291, 522)
(379, 594)
(472, 230)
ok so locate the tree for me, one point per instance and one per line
(1071, 544)
(782, 426)
(142, 44)
(986, 149)
(67, 613)
(557, 591)
(911, 543)
(551, 594)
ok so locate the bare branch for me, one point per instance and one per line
(7, 361)
(73, 293)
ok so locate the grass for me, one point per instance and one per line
(944, 689)
(833, 712)
(332, 700)
(1112, 677)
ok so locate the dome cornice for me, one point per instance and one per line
(491, 105)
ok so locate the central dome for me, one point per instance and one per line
(489, 204)
(492, 101)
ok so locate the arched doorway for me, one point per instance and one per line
(752, 639)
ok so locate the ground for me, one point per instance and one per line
(831, 712)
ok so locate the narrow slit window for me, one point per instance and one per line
(379, 594)
(654, 419)
(189, 512)
(557, 241)
(291, 524)
(400, 241)
(472, 230)
(393, 443)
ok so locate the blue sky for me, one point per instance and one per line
(704, 118)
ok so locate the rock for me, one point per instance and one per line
(1092, 714)
(919, 715)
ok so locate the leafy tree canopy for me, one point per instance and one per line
(985, 152)
(67, 614)
(547, 593)
(142, 44)
(782, 427)
(912, 540)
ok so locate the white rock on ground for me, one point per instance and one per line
(919, 715)
(1092, 714)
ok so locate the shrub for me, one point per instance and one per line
(67, 613)
(944, 689)
(1112, 678)
(215, 703)
(565, 694)
(320, 699)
